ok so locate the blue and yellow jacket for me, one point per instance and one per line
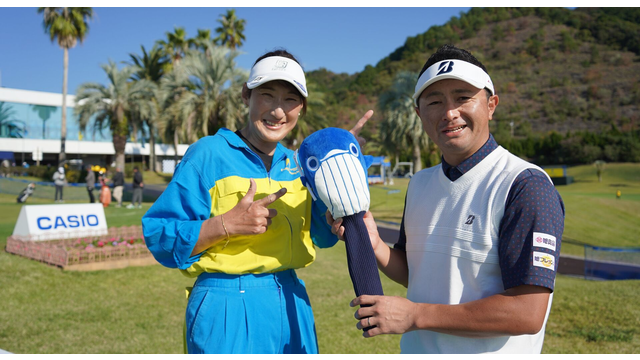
(210, 180)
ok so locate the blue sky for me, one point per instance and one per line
(338, 39)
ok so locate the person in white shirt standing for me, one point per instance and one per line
(480, 234)
(59, 181)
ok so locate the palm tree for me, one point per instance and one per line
(402, 127)
(202, 39)
(44, 113)
(176, 45)
(169, 123)
(68, 25)
(202, 96)
(9, 126)
(112, 103)
(231, 30)
(201, 102)
(151, 66)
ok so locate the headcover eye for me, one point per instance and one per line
(312, 163)
(354, 149)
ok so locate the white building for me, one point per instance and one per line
(30, 124)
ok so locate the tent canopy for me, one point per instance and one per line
(6, 155)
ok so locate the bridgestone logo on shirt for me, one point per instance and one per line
(544, 260)
(544, 241)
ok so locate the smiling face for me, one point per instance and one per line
(274, 108)
(456, 117)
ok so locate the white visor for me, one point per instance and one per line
(453, 69)
(278, 68)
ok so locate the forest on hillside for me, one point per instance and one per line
(567, 81)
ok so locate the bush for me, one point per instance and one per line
(75, 176)
(128, 168)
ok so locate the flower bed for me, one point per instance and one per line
(120, 247)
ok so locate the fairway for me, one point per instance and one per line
(141, 309)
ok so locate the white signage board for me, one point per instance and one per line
(60, 221)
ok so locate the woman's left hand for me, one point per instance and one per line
(359, 125)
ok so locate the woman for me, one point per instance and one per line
(237, 217)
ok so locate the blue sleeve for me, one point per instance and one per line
(531, 232)
(172, 225)
(321, 231)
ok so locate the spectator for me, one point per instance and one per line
(59, 181)
(105, 192)
(90, 179)
(137, 189)
(118, 186)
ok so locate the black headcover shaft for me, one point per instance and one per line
(361, 259)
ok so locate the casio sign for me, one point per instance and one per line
(72, 221)
(68, 220)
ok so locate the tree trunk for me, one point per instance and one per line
(175, 147)
(417, 159)
(119, 144)
(63, 130)
(152, 150)
(119, 133)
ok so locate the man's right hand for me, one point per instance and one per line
(369, 222)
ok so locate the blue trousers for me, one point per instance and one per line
(250, 314)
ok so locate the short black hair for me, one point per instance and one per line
(278, 52)
(135, 168)
(449, 52)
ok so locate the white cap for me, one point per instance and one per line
(278, 68)
(453, 69)
(61, 170)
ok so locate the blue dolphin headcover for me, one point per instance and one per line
(334, 171)
(333, 168)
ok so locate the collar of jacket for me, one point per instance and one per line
(235, 141)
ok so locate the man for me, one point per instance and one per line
(59, 181)
(480, 234)
(118, 186)
(90, 179)
(137, 189)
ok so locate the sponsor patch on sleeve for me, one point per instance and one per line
(543, 240)
(544, 260)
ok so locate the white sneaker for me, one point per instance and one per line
(139, 206)
(130, 206)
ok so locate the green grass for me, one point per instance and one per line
(151, 177)
(141, 309)
(593, 213)
(593, 317)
